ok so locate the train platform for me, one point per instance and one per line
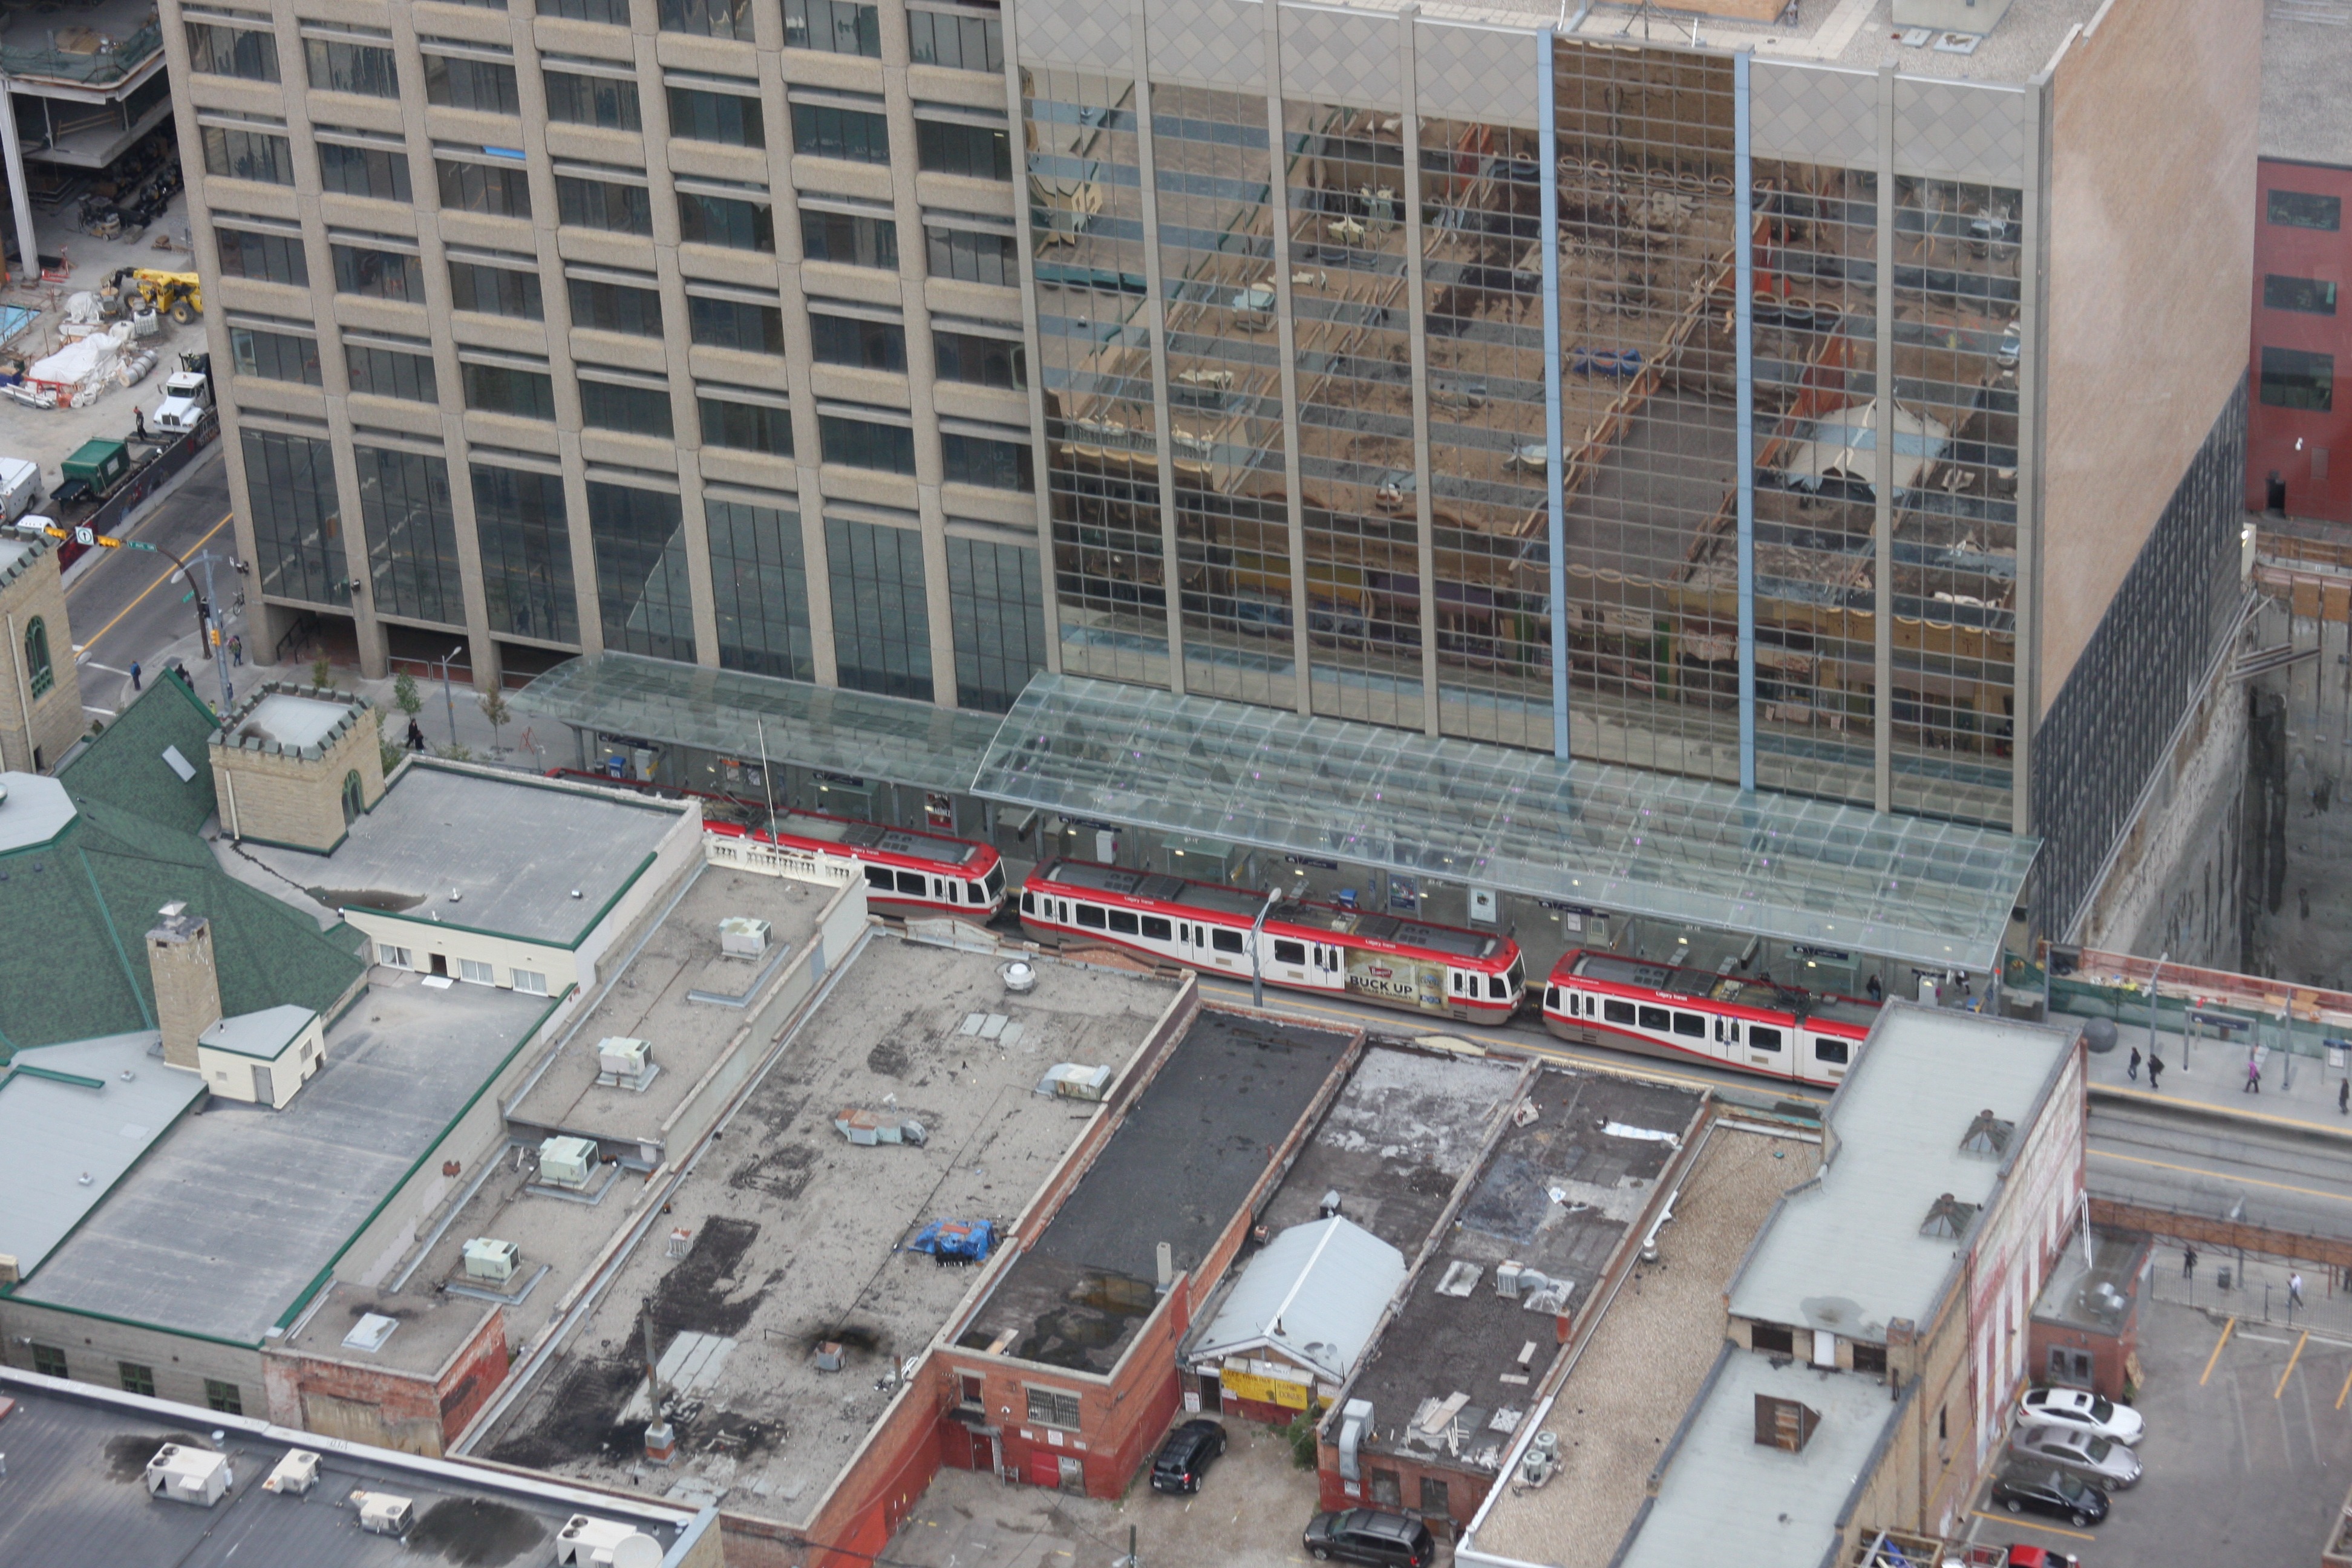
(2210, 1076)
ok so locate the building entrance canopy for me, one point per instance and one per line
(1580, 834)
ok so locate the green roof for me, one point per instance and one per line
(86, 901)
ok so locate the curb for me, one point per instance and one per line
(2141, 1097)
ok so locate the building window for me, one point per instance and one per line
(509, 389)
(698, 116)
(616, 307)
(828, 130)
(137, 1379)
(355, 797)
(298, 518)
(602, 204)
(1772, 1339)
(496, 290)
(274, 356)
(2308, 295)
(529, 982)
(735, 324)
(355, 171)
(393, 957)
(2297, 378)
(411, 535)
(1434, 1497)
(854, 341)
(460, 81)
(956, 40)
(267, 258)
(881, 619)
(708, 19)
(639, 537)
(975, 152)
(39, 672)
(996, 600)
(977, 461)
(501, 190)
(619, 405)
(737, 224)
(973, 257)
(607, 101)
(1870, 1359)
(1387, 1492)
(390, 372)
(851, 239)
(526, 544)
(338, 64)
(235, 155)
(862, 444)
(610, 13)
(382, 274)
(747, 426)
(249, 52)
(474, 972)
(837, 27)
(980, 360)
(49, 1361)
(224, 1398)
(2295, 209)
(761, 582)
(1053, 1407)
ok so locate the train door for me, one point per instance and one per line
(1766, 1051)
(1728, 1044)
(1331, 967)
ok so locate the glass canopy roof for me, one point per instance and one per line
(847, 732)
(1577, 833)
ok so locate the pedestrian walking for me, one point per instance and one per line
(2254, 1077)
(416, 736)
(2132, 1071)
(2155, 1072)
(2294, 1290)
(1877, 992)
(134, 675)
(2188, 1263)
(2343, 1097)
(237, 653)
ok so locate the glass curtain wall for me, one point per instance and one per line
(641, 570)
(411, 535)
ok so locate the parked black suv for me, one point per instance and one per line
(1185, 1457)
(2053, 1492)
(1365, 1535)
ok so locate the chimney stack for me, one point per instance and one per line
(1167, 1265)
(187, 983)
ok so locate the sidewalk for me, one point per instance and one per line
(2257, 1293)
(2211, 1074)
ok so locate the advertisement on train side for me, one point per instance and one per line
(1399, 982)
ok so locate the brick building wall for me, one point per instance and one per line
(417, 1412)
(37, 727)
(2299, 458)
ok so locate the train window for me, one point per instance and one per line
(1028, 903)
(1289, 952)
(952, 891)
(1657, 1018)
(1088, 915)
(1123, 921)
(1225, 940)
(1498, 986)
(1690, 1023)
(1158, 930)
(879, 877)
(1835, 1052)
(975, 893)
(1760, 1038)
(1551, 996)
(913, 882)
(1617, 1012)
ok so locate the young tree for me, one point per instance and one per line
(322, 669)
(404, 695)
(494, 709)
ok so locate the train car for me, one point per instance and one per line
(1433, 969)
(1694, 1014)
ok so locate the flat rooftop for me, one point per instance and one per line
(221, 1227)
(293, 721)
(2306, 81)
(1177, 1169)
(74, 1119)
(432, 1327)
(73, 1497)
(795, 1235)
(1897, 1125)
(1647, 1359)
(36, 810)
(1721, 1485)
(512, 849)
(1556, 1194)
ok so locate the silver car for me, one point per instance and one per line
(2102, 1461)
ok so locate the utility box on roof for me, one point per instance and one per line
(486, 1258)
(622, 1060)
(566, 1161)
(381, 1513)
(1074, 1080)
(189, 1475)
(740, 936)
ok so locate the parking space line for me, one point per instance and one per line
(2297, 1356)
(2227, 1330)
(2029, 1524)
(2347, 1389)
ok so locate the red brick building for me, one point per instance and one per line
(404, 1373)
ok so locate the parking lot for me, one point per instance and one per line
(2248, 1451)
(1248, 1514)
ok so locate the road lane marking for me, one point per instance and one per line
(2280, 1389)
(2227, 1330)
(153, 587)
(2019, 1522)
(2347, 1389)
(2340, 1196)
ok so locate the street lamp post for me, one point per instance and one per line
(1257, 959)
(448, 700)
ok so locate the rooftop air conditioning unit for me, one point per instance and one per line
(381, 1513)
(740, 936)
(566, 1161)
(1074, 1080)
(296, 1473)
(587, 1542)
(486, 1258)
(183, 1474)
(624, 1062)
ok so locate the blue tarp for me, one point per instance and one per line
(956, 1240)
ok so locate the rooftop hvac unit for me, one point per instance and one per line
(587, 1542)
(740, 936)
(1507, 1278)
(625, 1063)
(1020, 977)
(486, 1258)
(1074, 1080)
(296, 1473)
(566, 1161)
(189, 1475)
(381, 1513)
